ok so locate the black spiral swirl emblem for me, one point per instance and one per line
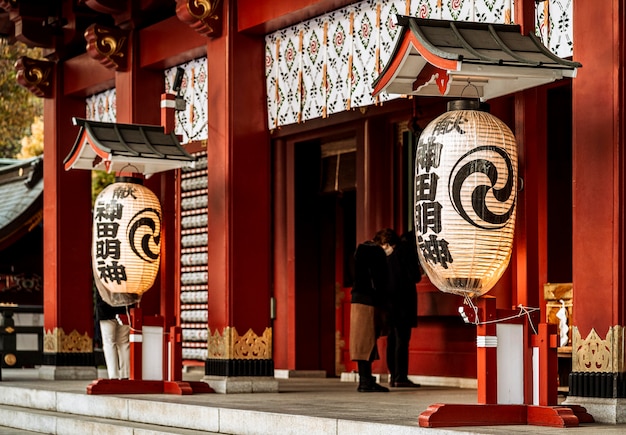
(150, 218)
(469, 164)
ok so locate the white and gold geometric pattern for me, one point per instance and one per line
(191, 123)
(327, 64)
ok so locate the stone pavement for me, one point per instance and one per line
(302, 406)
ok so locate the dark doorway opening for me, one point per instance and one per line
(325, 232)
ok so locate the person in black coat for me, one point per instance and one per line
(403, 273)
(367, 311)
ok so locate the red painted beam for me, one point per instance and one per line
(169, 43)
(83, 76)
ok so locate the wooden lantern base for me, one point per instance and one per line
(488, 412)
(136, 385)
(132, 386)
(446, 415)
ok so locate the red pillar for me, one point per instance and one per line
(284, 265)
(598, 197)
(136, 340)
(487, 352)
(68, 308)
(548, 367)
(239, 182)
(138, 101)
(598, 168)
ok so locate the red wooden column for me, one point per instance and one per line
(530, 256)
(598, 199)
(239, 183)
(68, 308)
(283, 251)
(487, 352)
(138, 101)
(546, 342)
(598, 168)
(375, 207)
(529, 261)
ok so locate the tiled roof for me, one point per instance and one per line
(112, 146)
(21, 191)
(439, 57)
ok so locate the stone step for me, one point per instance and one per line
(57, 423)
(57, 409)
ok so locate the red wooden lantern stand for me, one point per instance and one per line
(488, 412)
(171, 382)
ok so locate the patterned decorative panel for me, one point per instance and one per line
(191, 123)
(194, 260)
(327, 64)
(554, 25)
(101, 107)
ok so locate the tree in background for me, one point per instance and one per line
(19, 108)
(100, 180)
(32, 145)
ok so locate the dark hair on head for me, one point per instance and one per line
(386, 236)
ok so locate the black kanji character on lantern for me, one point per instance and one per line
(453, 121)
(106, 229)
(112, 273)
(111, 210)
(428, 216)
(428, 153)
(108, 248)
(124, 191)
(435, 250)
(426, 186)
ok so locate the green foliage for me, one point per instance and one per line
(100, 180)
(18, 107)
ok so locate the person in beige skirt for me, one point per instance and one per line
(368, 308)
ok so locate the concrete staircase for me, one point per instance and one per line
(54, 412)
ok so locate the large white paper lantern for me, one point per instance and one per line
(465, 199)
(126, 238)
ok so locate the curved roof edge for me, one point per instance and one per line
(443, 58)
(21, 190)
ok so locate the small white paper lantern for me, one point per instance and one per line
(126, 237)
(465, 199)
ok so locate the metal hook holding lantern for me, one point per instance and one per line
(128, 165)
(470, 85)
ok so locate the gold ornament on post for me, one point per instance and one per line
(465, 199)
(126, 241)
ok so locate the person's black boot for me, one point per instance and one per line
(404, 383)
(369, 385)
(372, 387)
(367, 382)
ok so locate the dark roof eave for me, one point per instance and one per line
(453, 44)
(168, 148)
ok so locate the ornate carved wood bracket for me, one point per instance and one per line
(35, 25)
(35, 75)
(108, 45)
(203, 16)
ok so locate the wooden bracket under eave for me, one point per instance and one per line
(205, 17)
(35, 75)
(108, 45)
